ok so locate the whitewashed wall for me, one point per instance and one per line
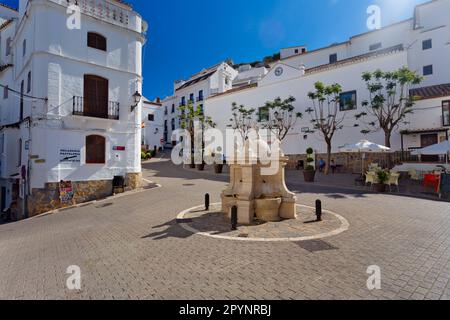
(291, 83)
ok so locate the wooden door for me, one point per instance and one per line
(95, 96)
(427, 140)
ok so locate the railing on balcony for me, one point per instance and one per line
(200, 98)
(95, 108)
(100, 9)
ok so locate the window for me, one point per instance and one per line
(191, 97)
(296, 51)
(446, 113)
(200, 95)
(428, 70)
(166, 111)
(173, 124)
(19, 161)
(227, 81)
(333, 58)
(263, 114)
(29, 82)
(5, 92)
(183, 101)
(200, 109)
(375, 46)
(151, 117)
(22, 88)
(165, 126)
(303, 50)
(173, 108)
(24, 47)
(348, 101)
(96, 41)
(95, 149)
(8, 46)
(95, 97)
(427, 44)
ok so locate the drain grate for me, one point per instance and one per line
(316, 246)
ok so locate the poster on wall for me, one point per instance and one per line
(69, 155)
(66, 192)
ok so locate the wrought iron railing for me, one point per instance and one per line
(86, 107)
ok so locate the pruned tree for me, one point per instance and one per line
(325, 114)
(189, 115)
(389, 100)
(282, 117)
(243, 120)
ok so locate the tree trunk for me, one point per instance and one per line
(327, 168)
(387, 139)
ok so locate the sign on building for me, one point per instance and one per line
(69, 156)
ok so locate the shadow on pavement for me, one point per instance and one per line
(172, 230)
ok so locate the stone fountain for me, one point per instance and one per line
(256, 195)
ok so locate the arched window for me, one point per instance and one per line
(96, 41)
(95, 149)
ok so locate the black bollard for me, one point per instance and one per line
(207, 201)
(234, 218)
(319, 210)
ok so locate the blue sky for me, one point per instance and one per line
(187, 35)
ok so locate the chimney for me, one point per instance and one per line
(302, 69)
(158, 100)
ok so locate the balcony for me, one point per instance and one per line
(94, 108)
(199, 99)
(115, 13)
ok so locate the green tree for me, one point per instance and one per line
(282, 117)
(190, 114)
(243, 120)
(325, 114)
(389, 102)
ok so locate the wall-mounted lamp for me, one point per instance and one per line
(137, 98)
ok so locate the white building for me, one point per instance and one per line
(208, 82)
(422, 43)
(152, 125)
(69, 110)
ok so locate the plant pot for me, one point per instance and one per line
(201, 167)
(268, 210)
(218, 168)
(309, 175)
(380, 187)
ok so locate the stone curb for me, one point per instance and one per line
(345, 225)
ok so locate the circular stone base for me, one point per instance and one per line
(215, 224)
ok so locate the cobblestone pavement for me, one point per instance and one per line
(132, 247)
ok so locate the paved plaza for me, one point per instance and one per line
(132, 247)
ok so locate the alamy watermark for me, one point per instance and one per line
(374, 280)
(73, 282)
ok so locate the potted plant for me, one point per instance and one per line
(383, 177)
(218, 165)
(310, 171)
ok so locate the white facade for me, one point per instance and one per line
(50, 65)
(208, 82)
(152, 125)
(402, 44)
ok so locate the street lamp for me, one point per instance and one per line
(137, 98)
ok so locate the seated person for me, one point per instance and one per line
(333, 166)
(322, 165)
